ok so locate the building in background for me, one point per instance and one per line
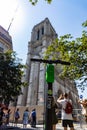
(5, 40)
(41, 37)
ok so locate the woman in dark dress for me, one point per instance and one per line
(54, 116)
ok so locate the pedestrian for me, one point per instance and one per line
(25, 118)
(17, 116)
(54, 116)
(84, 108)
(7, 116)
(33, 118)
(67, 119)
(1, 115)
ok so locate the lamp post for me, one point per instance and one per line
(48, 108)
(49, 94)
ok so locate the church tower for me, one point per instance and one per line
(41, 37)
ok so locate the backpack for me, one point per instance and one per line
(33, 113)
(17, 114)
(68, 109)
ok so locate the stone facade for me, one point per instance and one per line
(41, 37)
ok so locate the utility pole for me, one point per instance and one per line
(50, 80)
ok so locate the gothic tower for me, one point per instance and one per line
(41, 37)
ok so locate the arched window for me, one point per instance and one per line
(38, 34)
(42, 30)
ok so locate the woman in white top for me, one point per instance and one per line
(67, 119)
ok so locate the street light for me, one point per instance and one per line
(50, 80)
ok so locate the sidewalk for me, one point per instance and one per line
(59, 127)
(41, 127)
(77, 126)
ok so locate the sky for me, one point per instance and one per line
(66, 16)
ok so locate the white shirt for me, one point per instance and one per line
(65, 115)
(84, 110)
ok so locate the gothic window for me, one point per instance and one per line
(42, 30)
(38, 35)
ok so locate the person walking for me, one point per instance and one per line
(33, 118)
(7, 116)
(1, 115)
(25, 118)
(67, 119)
(84, 108)
(17, 116)
(54, 116)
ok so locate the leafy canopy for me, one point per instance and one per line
(11, 73)
(34, 2)
(73, 51)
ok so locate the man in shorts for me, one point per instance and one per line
(67, 119)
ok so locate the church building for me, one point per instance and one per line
(42, 36)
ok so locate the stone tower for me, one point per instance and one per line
(41, 37)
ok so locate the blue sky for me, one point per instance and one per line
(66, 16)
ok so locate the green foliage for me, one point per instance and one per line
(11, 72)
(73, 51)
(34, 2)
(84, 24)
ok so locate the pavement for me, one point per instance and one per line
(41, 127)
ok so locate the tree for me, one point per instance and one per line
(35, 1)
(73, 51)
(11, 72)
